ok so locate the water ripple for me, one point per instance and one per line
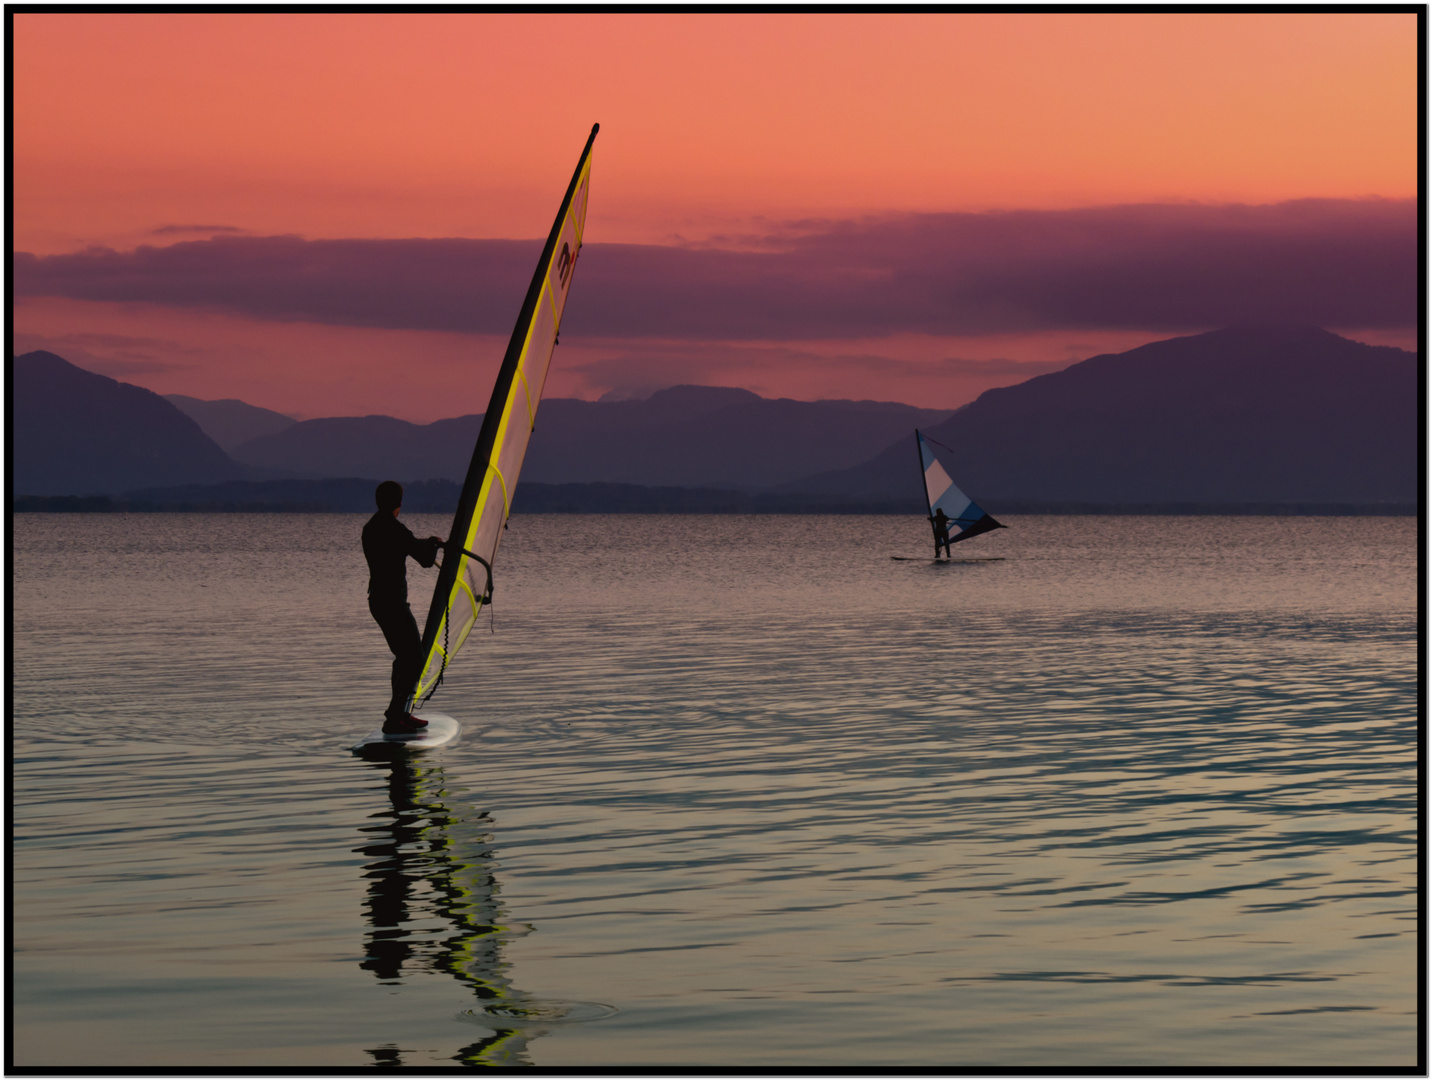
(777, 803)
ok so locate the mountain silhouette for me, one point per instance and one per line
(230, 422)
(1247, 415)
(709, 437)
(692, 436)
(1254, 414)
(73, 432)
(381, 446)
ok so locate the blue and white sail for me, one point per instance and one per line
(941, 493)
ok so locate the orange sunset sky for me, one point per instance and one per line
(901, 207)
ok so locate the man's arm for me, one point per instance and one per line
(425, 551)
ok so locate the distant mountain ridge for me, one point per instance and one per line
(367, 446)
(1268, 416)
(73, 432)
(230, 422)
(691, 436)
(710, 437)
(1241, 415)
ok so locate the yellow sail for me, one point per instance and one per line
(464, 583)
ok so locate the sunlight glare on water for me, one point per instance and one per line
(732, 791)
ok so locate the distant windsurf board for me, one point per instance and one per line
(441, 729)
(981, 558)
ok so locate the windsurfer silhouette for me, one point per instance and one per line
(940, 521)
(387, 543)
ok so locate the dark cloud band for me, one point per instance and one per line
(177, 230)
(1346, 263)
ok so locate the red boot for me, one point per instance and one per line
(403, 724)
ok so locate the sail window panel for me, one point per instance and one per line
(487, 528)
(462, 603)
(539, 346)
(463, 620)
(465, 605)
(433, 668)
(513, 449)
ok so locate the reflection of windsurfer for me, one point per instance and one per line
(940, 521)
(387, 543)
(431, 905)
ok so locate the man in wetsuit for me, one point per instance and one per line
(387, 543)
(940, 521)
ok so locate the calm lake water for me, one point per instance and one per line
(732, 791)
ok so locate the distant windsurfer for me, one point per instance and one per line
(940, 521)
(387, 543)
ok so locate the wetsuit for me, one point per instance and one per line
(941, 533)
(387, 543)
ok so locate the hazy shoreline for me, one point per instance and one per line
(631, 499)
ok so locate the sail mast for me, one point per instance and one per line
(919, 449)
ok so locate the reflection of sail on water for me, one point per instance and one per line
(431, 905)
(464, 584)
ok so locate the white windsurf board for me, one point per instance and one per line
(441, 729)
